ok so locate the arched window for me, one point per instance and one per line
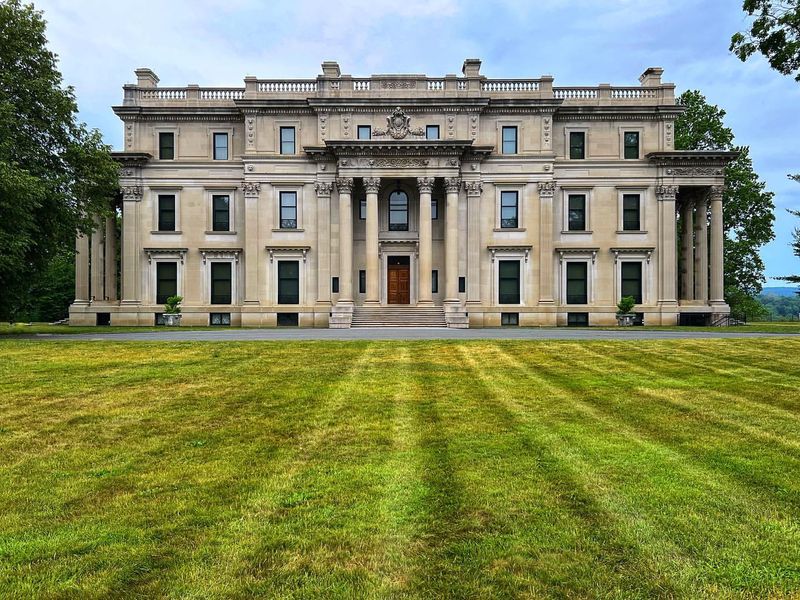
(398, 211)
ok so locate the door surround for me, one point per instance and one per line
(398, 277)
(395, 248)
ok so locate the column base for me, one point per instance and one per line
(454, 315)
(424, 302)
(341, 315)
(130, 302)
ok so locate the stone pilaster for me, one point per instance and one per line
(667, 262)
(131, 200)
(372, 185)
(546, 192)
(701, 250)
(717, 246)
(252, 192)
(474, 245)
(324, 189)
(452, 187)
(425, 185)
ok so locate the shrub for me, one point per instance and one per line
(626, 304)
(173, 305)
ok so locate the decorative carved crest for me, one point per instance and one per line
(425, 184)
(547, 188)
(474, 188)
(251, 188)
(344, 185)
(452, 184)
(398, 126)
(323, 188)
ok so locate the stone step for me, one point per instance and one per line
(399, 316)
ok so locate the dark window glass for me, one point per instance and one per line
(166, 145)
(576, 283)
(220, 283)
(166, 281)
(632, 280)
(288, 319)
(577, 212)
(509, 319)
(334, 285)
(509, 140)
(166, 213)
(222, 213)
(432, 132)
(630, 212)
(577, 144)
(287, 140)
(362, 209)
(364, 132)
(462, 285)
(508, 284)
(362, 282)
(435, 281)
(288, 282)
(434, 210)
(577, 319)
(219, 319)
(509, 210)
(288, 210)
(631, 144)
(220, 146)
(398, 211)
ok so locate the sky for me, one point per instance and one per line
(579, 42)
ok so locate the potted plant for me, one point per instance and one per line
(172, 311)
(625, 314)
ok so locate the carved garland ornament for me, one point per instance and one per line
(398, 126)
(694, 171)
(251, 188)
(323, 188)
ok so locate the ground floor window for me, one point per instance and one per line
(221, 288)
(577, 287)
(508, 284)
(435, 281)
(578, 319)
(631, 276)
(288, 282)
(166, 281)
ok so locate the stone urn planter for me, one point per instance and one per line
(172, 311)
(625, 319)
(172, 319)
(625, 314)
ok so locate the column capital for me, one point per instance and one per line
(132, 193)
(666, 192)
(547, 189)
(425, 184)
(452, 184)
(251, 189)
(372, 184)
(474, 188)
(714, 193)
(344, 185)
(323, 188)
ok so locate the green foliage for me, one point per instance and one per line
(748, 213)
(626, 304)
(745, 305)
(774, 33)
(795, 241)
(782, 307)
(173, 305)
(55, 174)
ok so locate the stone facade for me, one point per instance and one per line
(502, 201)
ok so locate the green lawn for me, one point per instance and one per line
(400, 469)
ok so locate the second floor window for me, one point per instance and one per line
(221, 209)
(166, 145)
(631, 143)
(364, 132)
(576, 283)
(287, 140)
(509, 210)
(432, 132)
(631, 218)
(220, 146)
(576, 212)
(509, 140)
(166, 212)
(288, 210)
(398, 211)
(577, 145)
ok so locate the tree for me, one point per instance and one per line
(775, 33)
(795, 242)
(55, 174)
(749, 210)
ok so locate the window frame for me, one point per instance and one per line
(567, 265)
(280, 263)
(360, 128)
(158, 223)
(509, 261)
(228, 212)
(362, 281)
(228, 137)
(503, 129)
(392, 211)
(517, 219)
(158, 133)
(157, 262)
(519, 254)
(428, 128)
(434, 209)
(214, 263)
(634, 262)
(569, 132)
(622, 132)
(281, 129)
(434, 281)
(281, 219)
(362, 209)
(623, 191)
(585, 255)
(569, 195)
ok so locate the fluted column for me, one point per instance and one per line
(98, 261)
(474, 249)
(131, 197)
(687, 246)
(665, 194)
(371, 185)
(111, 259)
(546, 192)
(452, 186)
(252, 190)
(345, 187)
(701, 250)
(717, 246)
(425, 185)
(323, 189)
(82, 269)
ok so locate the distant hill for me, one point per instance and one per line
(780, 291)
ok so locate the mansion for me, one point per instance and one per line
(405, 199)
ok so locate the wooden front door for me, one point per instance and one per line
(399, 284)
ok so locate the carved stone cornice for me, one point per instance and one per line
(425, 184)
(323, 188)
(344, 185)
(452, 184)
(474, 188)
(666, 192)
(132, 193)
(372, 184)
(547, 189)
(715, 193)
(251, 189)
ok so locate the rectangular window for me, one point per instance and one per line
(434, 210)
(398, 212)
(435, 281)
(631, 274)
(166, 145)
(221, 283)
(288, 282)
(288, 210)
(432, 132)
(462, 285)
(577, 145)
(362, 209)
(631, 142)
(577, 212)
(364, 132)
(630, 212)
(509, 210)
(219, 319)
(222, 213)
(166, 212)
(509, 319)
(166, 281)
(575, 319)
(508, 284)
(287, 140)
(220, 146)
(362, 282)
(288, 319)
(509, 140)
(334, 285)
(576, 283)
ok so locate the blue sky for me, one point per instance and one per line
(101, 42)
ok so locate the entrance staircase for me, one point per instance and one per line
(398, 316)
